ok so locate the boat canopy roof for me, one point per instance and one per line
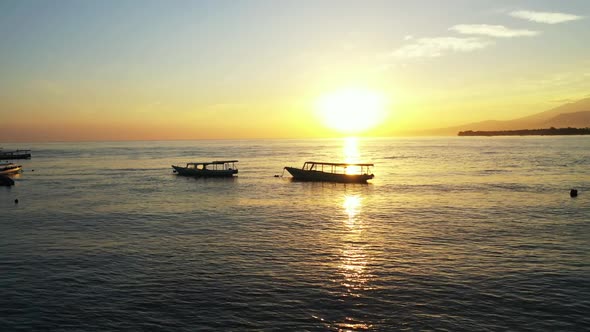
(337, 164)
(216, 162)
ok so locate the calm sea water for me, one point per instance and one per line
(475, 234)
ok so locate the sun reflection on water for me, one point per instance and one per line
(352, 207)
(353, 258)
(353, 262)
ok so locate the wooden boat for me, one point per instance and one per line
(9, 168)
(219, 168)
(332, 172)
(17, 154)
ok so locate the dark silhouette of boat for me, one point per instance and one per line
(219, 168)
(16, 154)
(332, 172)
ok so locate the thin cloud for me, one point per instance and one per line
(499, 31)
(435, 47)
(545, 17)
(226, 106)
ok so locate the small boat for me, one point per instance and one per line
(16, 154)
(9, 168)
(219, 168)
(332, 172)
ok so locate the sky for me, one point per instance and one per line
(135, 70)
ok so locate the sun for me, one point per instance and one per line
(351, 110)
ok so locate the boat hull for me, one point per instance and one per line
(10, 169)
(204, 172)
(306, 175)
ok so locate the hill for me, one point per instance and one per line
(576, 114)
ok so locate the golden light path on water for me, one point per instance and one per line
(351, 266)
(353, 258)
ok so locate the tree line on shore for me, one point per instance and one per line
(528, 132)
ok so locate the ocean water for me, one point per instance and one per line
(456, 234)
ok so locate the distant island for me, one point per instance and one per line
(528, 132)
(573, 114)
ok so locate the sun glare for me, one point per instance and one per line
(351, 110)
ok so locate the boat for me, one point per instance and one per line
(9, 168)
(332, 172)
(218, 168)
(16, 154)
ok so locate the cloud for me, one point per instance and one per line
(226, 106)
(435, 47)
(499, 31)
(545, 17)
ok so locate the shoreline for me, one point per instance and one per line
(528, 132)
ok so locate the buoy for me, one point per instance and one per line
(574, 193)
(16, 201)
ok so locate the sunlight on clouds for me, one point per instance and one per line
(545, 17)
(499, 31)
(435, 47)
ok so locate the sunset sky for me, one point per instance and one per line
(110, 70)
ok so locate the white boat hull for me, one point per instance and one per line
(10, 169)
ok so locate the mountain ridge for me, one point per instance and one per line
(573, 114)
